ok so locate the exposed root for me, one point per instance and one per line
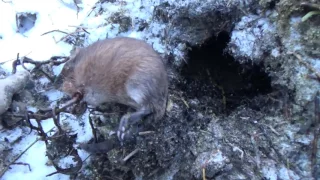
(55, 114)
(316, 135)
(52, 61)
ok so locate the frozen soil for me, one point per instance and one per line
(240, 106)
(236, 114)
(215, 106)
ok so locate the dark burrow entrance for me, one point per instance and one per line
(213, 74)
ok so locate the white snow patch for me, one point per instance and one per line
(269, 170)
(287, 174)
(275, 52)
(305, 139)
(12, 135)
(57, 69)
(54, 95)
(246, 37)
(67, 162)
(51, 15)
(37, 160)
(44, 80)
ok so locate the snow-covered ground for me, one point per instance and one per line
(60, 15)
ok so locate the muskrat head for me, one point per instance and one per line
(69, 87)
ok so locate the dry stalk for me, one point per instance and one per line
(307, 65)
(16, 158)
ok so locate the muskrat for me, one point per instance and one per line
(119, 70)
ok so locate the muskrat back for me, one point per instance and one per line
(120, 70)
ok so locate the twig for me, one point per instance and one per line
(46, 75)
(316, 135)
(13, 59)
(56, 120)
(77, 97)
(21, 163)
(307, 65)
(130, 155)
(272, 129)
(92, 9)
(54, 31)
(236, 148)
(70, 34)
(78, 8)
(41, 131)
(145, 133)
(185, 102)
(203, 173)
(15, 63)
(93, 129)
(253, 142)
(53, 60)
(86, 158)
(47, 113)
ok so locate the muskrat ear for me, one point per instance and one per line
(67, 67)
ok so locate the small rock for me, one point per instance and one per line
(16, 108)
(12, 135)
(25, 21)
(213, 162)
(9, 86)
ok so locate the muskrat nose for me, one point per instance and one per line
(78, 95)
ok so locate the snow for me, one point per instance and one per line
(35, 157)
(61, 15)
(286, 174)
(269, 170)
(249, 32)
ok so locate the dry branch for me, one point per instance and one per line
(54, 31)
(53, 61)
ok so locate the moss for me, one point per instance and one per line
(124, 22)
(286, 9)
(310, 38)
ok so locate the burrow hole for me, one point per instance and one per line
(215, 78)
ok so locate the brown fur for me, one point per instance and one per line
(105, 70)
